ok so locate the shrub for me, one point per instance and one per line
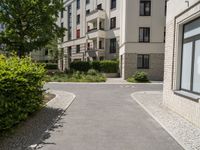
(80, 66)
(21, 86)
(51, 66)
(141, 77)
(92, 72)
(109, 66)
(96, 65)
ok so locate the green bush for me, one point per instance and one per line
(80, 66)
(106, 66)
(21, 89)
(141, 77)
(92, 72)
(51, 66)
(96, 65)
(109, 66)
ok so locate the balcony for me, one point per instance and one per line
(94, 33)
(98, 13)
(95, 52)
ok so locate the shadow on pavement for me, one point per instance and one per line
(30, 132)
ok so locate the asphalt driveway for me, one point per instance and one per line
(105, 117)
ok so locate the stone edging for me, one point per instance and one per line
(62, 101)
(155, 118)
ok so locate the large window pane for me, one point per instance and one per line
(192, 29)
(196, 81)
(186, 66)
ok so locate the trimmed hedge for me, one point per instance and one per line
(80, 66)
(50, 66)
(21, 86)
(106, 66)
(109, 66)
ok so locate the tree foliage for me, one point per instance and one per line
(29, 24)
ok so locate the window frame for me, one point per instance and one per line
(78, 49)
(113, 4)
(145, 3)
(143, 61)
(113, 46)
(143, 39)
(192, 40)
(113, 22)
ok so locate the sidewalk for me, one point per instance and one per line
(37, 126)
(184, 132)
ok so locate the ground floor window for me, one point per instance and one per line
(143, 61)
(190, 63)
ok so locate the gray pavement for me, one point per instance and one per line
(105, 117)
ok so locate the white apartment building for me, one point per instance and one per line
(132, 31)
(93, 30)
(142, 37)
(182, 59)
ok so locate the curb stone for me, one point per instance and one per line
(59, 102)
(178, 127)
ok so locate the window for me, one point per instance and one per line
(78, 4)
(69, 26)
(62, 26)
(99, 7)
(113, 45)
(113, 23)
(88, 12)
(144, 34)
(190, 70)
(78, 33)
(62, 14)
(113, 4)
(165, 7)
(77, 48)
(87, 1)
(143, 61)
(145, 8)
(78, 19)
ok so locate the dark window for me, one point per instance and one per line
(62, 14)
(78, 4)
(46, 52)
(78, 33)
(143, 61)
(144, 34)
(78, 19)
(190, 64)
(99, 7)
(69, 29)
(145, 8)
(164, 34)
(78, 49)
(113, 4)
(62, 26)
(87, 1)
(113, 45)
(165, 7)
(113, 23)
(87, 12)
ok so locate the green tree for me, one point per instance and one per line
(29, 24)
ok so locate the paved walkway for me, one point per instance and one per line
(29, 132)
(187, 134)
(105, 117)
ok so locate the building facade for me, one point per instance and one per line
(182, 59)
(142, 37)
(93, 31)
(132, 31)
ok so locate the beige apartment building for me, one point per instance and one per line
(132, 31)
(182, 59)
(142, 37)
(93, 30)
